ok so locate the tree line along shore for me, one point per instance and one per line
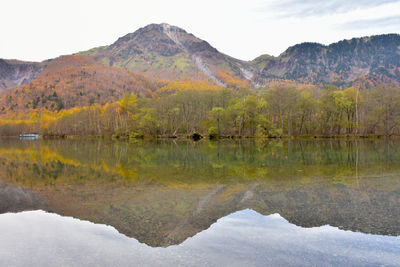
(282, 111)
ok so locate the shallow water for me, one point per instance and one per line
(292, 202)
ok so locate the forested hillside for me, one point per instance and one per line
(74, 81)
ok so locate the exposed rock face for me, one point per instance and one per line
(375, 58)
(14, 72)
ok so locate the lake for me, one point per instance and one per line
(321, 202)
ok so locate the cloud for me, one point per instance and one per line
(316, 8)
(392, 22)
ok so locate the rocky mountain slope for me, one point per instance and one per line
(168, 52)
(14, 72)
(375, 58)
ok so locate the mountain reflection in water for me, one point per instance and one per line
(161, 193)
(244, 238)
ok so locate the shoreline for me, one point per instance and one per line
(212, 138)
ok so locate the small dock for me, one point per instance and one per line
(29, 136)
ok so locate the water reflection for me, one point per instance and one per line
(244, 238)
(161, 193)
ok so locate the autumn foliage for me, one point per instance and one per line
(74, 96)
(231, 80)
(74, 81)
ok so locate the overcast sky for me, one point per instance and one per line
(42, 29)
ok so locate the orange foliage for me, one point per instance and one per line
(72, 81)
(276, 83)
(231, 80)
(187, 85)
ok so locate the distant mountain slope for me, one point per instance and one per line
(14, 72)
(375, 58)
(168, 52)
(71, 81)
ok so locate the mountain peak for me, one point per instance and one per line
(168, 27)
(161, 27)
(151, 30)
(167, 52)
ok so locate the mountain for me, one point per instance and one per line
(14, 72)
(167, 52)
(375, 59)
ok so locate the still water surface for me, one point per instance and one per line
(291, 202)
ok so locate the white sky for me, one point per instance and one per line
(40, 29)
